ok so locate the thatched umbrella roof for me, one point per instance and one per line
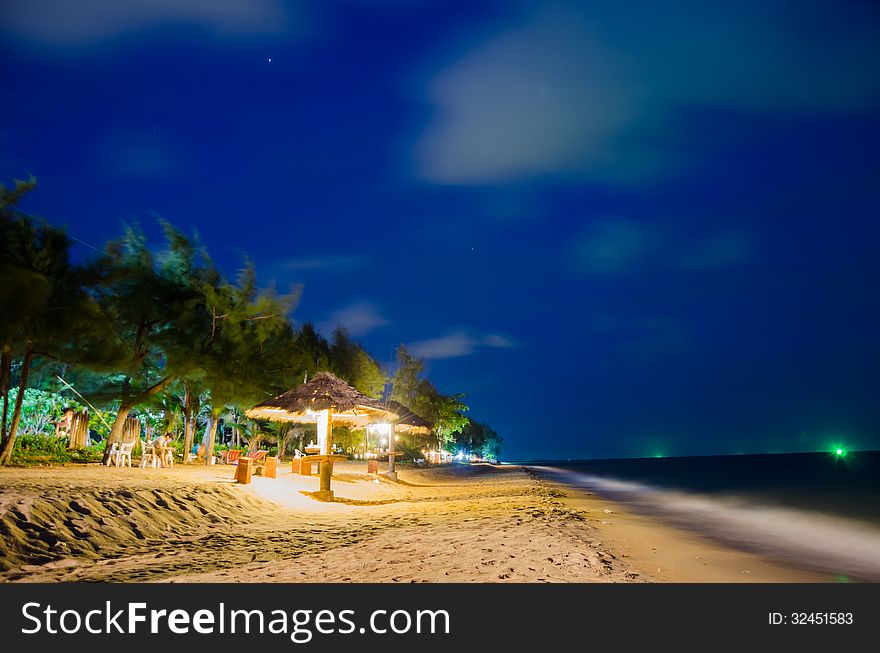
(408, 421)
(304, 403)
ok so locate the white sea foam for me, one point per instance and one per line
(814, 540)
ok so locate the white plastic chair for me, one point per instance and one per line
(123, 454)
(111, 457)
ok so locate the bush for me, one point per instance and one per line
(40, 410)
(35, 449)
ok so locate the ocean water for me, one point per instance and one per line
(815, 511)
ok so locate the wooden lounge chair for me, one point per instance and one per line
(232, 456)
(258, 461)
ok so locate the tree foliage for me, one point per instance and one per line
(46, 311)
(480, 439)
(161, 333)
(352, 363)
(410, 388)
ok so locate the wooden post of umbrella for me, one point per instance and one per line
(392, 472)
(325, 436)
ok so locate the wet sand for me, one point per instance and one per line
(452, 524)
(663, 553)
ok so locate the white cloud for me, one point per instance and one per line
(498, 341)
(522, 103)
(329, 263)
(614, 246)
(359, 318)
(607, 91)
(457, 343)
(80, 22)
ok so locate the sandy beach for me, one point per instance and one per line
(459, 523)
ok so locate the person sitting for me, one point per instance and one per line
(162, 446)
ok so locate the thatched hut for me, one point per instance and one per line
(408, 421)
(324, 400)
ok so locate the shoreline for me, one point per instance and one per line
(662, 552)
(458, 523)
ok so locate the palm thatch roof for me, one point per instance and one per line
(408, 421)
(304, 403)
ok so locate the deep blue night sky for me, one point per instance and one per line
(622, 231)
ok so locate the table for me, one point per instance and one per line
(303, 464)
(164, 456)
(325, 469)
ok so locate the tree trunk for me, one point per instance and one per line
(190, 417)
(5, 371)
(282, 445)
(9, 440)
(189, 428)
(116, 430)
(211, 432)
